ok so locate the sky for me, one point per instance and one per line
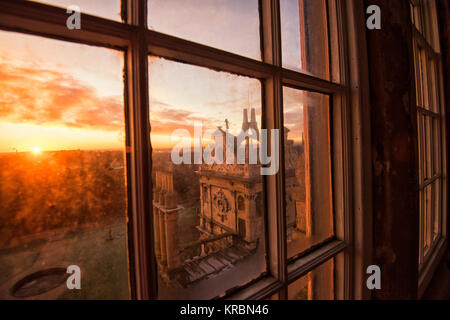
(58, 95)
(109, 9)
(182, 94)
(290, 34)
(231, 25)
(293, 101)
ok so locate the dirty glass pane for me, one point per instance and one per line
(275, 296)
(208, 216)
(309, 218)
(109, 9)
(230, 25)
(433, 85)
(62, 170)
(417, 17)
(437, 189)
(420, 141)
(316, 285)
(304, 36)
(428, 145)
(427, 218)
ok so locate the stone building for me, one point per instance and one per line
(230, 196)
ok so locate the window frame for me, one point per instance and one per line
(350, 132)
(426, 42)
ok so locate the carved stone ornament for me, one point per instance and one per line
(221, 204)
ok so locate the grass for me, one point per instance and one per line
(17, 260)
(101, 254)
(103, 261)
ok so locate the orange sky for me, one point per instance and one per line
(57, 95)
(62, 96)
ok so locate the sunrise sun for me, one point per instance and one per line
(36, 150)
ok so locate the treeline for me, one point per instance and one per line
(64, 189)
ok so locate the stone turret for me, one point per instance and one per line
(245, 123)
(253, 123)
(165, 219)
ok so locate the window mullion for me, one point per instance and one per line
(141, 221)
(273, 119)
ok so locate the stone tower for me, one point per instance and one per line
(165, 219)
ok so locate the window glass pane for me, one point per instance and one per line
(434, 27)
(109, 9)
(430, 31)
(425, 72)
(275, 296)
(62, 170)
(417, 15)
(428, 217)
(434, 99)
(420, 142)
(421, 225)
(429, 149)
(309, 215)
(411, 6)
(208, 218)
(437, 189)
(304, 36)
(231, 25)
(316, 285)
(424, 221)
(437, 146)
(424, 147)
(418, 75)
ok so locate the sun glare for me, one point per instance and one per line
(36, 150)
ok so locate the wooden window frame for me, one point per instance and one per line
(350, 132)
(426, 42)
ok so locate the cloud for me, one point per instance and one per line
(45, 97)
(166, 128)
(171, 114)
(164, 121)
